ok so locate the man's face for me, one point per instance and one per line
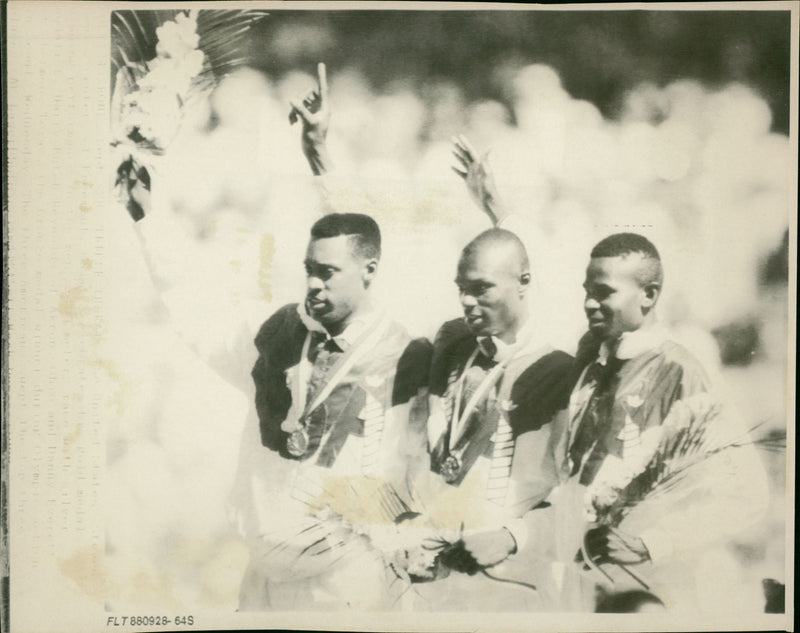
(490, 288)
(616, 301)
(336, 280)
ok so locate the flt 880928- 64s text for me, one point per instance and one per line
(149, 620)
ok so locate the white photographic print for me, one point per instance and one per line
(408, 316)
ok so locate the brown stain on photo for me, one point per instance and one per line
(87, 264)
(125, 388)
(360, 500)
(152, 591)
(455, 506)
(84, 207)
(429, 209)
(74, 303)
(222, 572)
(72, 437)
(78, 306)
(86, 569)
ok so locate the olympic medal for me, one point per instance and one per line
(297, 443)
(450, 469)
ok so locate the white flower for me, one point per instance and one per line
(613, 472)
(176, 39)
(155, 114)
(612, 477)
(150, 114)
(606, 497)
(634, 400)
(173, 74)
(507, 405)
(698, 409)
(421, 562)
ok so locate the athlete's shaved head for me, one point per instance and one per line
(493, 276)
(502, 245)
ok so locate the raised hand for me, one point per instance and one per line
(314, 112)
(489, 547)
(133, 187)
(607, 544)
(475, 171)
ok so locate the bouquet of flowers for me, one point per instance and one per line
(662, 461)
(162, 61)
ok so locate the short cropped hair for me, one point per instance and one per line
(624, 244)
(362, 230)
(498, 237)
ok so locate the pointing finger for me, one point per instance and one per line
(323, 81)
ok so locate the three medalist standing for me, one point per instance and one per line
(377, 472)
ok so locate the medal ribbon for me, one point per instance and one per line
(343, 365)
(492, 376)
(579, 410)
(489, 381)
(577, 407)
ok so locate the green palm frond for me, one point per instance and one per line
(150, 88)
(681, 453)
(222, 39)
(133, 38)
(671, 466)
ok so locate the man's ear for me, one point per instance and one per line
(651, 293)
(370, 270)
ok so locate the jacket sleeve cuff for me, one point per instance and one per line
(659, 544)
(519, 531)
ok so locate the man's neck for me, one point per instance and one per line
(335, 329)
(612, 344)
(511, 335)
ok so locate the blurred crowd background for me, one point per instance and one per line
(671, 124)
